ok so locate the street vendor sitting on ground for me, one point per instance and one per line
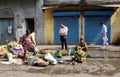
(83, 44)
(79, 55)
(80, 51)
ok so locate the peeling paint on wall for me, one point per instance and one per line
(115, 28)
(48, 27)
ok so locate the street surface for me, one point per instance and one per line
(91, 68)
(101, 63)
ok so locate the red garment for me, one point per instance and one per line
(27, 42)
(2, 52)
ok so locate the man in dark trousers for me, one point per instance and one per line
(63, 34)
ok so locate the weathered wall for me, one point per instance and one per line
(49, 23)
(115, 28)
(22, 9)
(39, 23)
(48, 26)
(79, 2)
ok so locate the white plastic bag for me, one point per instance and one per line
(10, 58)
(50, 58)
(36, 49)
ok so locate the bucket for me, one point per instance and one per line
(31, 60)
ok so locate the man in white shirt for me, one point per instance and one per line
(63, 34)
(104, 35)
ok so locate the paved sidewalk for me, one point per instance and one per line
(93, 67)
(109, 47)
(110, 51)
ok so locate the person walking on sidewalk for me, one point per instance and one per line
(104, 35)
(63, 35)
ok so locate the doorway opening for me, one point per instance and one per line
(30, 24)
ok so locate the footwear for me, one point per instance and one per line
(106, 44)
(103, 47)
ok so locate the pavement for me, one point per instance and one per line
(91, 68)
(109, 47)
(100, 63)
(94, 51)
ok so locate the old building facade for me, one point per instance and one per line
(18, 15)
(44, 16)
(82, 18)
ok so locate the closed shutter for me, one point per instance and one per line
(72, 22)
(92, 26)
(4, 23)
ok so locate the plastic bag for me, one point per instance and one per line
(17, 49)
(50, 58)
(36, 49)
(10, 58)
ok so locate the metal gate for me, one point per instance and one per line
(6, 30)
(71, 20)
(92, 25)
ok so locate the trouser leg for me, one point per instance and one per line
(62, 42)
(65, 42)
(103, 42)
